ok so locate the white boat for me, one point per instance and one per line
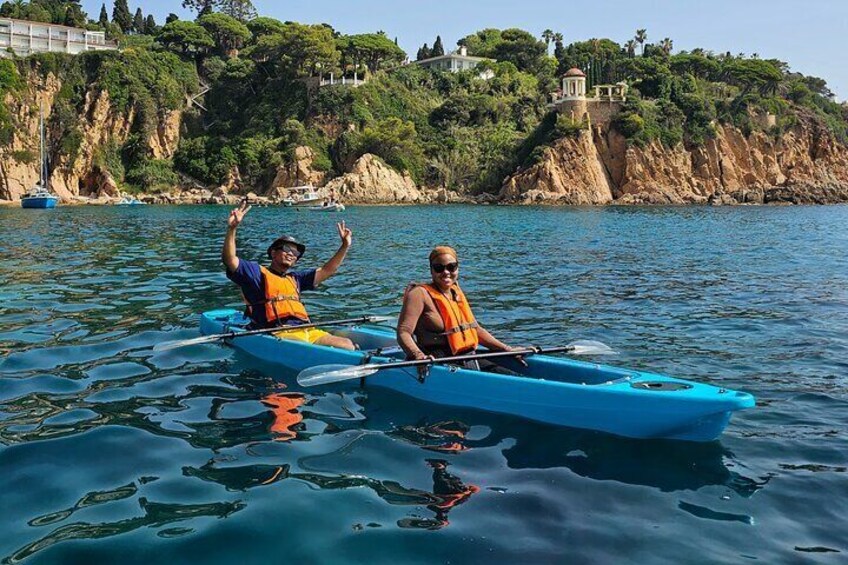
(40, 195)
(305, 195)
(129, 201)
(336, 207)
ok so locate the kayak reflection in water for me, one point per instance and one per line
(272, 294)
(436, 319)
(284, 407)
(449, 491)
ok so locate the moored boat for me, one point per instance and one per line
(39, 197)
(129, 201)
(552, 390)
(305, 195)
(336, 207)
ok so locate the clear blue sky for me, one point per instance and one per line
(811, 35)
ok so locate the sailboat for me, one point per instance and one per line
(40, 195)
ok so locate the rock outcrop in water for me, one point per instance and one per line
(802, 165)
(372, 181)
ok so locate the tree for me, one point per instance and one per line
(264, 26)
(423, 53)
(438, 50)
(242, 10)
(121, 15)
(74, 16)
(548, 36)
(138, 21)
(667, 45)
(172, 17)
(187, 37)
(641, 38)
(753, 73)
(482, 43)
(374, 50)
(202, 7)
(229, 33)
(631, 47)
(298, 50)
(559, 48)
(150, 25)
(522, 49)
(103, 20)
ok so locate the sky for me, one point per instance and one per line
(811, 35)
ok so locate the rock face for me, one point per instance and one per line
(100, 123)
(570, 172)
(803, 165)
(371, 181)
(297, 173)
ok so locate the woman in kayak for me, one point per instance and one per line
(436, 319)
(272, 293)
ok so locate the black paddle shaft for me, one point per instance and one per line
(475, 356)
(231, 335)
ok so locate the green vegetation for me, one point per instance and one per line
(456, 130)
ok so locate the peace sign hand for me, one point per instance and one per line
(237, 215)
(345, 234)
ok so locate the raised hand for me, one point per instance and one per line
(345, 234)
(237, 215)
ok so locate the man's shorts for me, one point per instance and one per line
(309, 335)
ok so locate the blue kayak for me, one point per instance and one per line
(553, 390)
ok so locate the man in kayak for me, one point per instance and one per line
(272, 293)
(436, 319)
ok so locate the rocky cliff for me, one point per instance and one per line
(76, 173)
(371, 181)
(802, 165)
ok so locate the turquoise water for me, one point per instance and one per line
(110, 452)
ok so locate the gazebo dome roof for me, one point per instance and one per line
(574, 72)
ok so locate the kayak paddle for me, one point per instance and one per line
(326, 374)
(217, 337)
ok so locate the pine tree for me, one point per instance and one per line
(202, 7)
(423, 53)
(172, 17)
(150, 25)
(438, 50)
(242, 10)
(103, 20)
(138, 21)
(121, 15)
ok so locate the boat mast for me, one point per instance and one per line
(42, 173)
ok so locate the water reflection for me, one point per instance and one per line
(449, 492)
(155, 515)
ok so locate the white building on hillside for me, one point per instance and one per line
(25, 38)
(454, 62)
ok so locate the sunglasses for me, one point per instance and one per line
(442, 267)
(290, 249)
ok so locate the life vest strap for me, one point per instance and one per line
(461, 328)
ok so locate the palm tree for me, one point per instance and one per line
(641, 38)
(631, 47)
(548, 35)
(667, 45)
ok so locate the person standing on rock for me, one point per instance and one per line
(272, 293)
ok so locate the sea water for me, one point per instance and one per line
(110, 452)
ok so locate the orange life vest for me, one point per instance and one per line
(460, 325)
(282, 298)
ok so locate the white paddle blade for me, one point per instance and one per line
(165, 346)
(326, 374)
(590, 347)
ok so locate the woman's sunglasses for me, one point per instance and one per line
(441, 268)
